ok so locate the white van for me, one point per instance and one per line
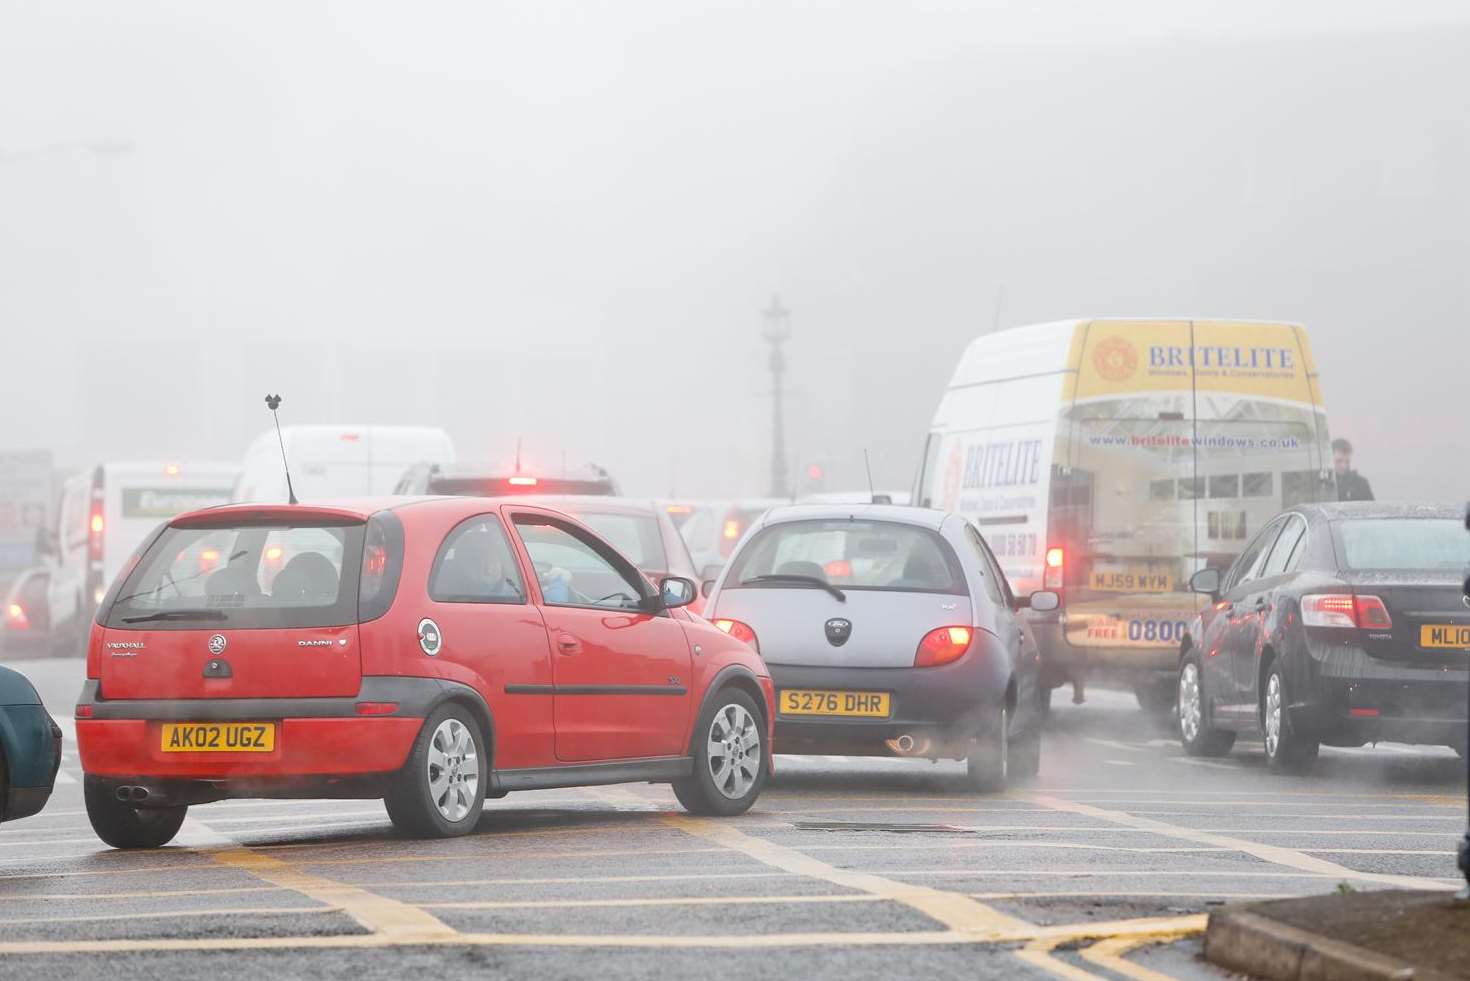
(338, 461)
(103, 516)
(1108, 460)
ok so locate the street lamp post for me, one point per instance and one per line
(777, 332)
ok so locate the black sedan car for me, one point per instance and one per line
(1341, 624)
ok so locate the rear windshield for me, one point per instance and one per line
(635, 535)
(242, 576)
(1403, 543)
(882, 555)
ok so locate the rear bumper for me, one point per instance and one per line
(948, 705)
(1360, 699)
(1128, 666)
(320, 738)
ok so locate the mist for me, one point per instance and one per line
(558, 223)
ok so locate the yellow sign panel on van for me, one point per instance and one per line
(1115, 357)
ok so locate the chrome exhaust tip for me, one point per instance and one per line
(138, 794)
(123, 794)
(905, 743)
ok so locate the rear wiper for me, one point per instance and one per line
(179, 615)
(796, 581)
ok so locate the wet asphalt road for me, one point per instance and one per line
(1102, 867)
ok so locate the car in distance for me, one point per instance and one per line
(889, 631)
(30, 748)
(25, 620)
(427, 652)
(1339, 624)
(469, 480)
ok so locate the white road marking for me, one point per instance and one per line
(1118, 763)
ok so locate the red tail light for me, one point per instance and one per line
(208, 559)
(15, 617)
(376, 708)
(84, 712)
(838, 569)
(1056, 562)
(740, 632)
(522, 481)
(943, 645)
(96, 524)
(1345, 610)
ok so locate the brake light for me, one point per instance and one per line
(1056, 561)
(96, 524)
(83, 712)
(522, 481)
(838, 569)
(15, 617)
(1345, 610)
(740, 632)
(731, 531)
(274, 554)
(943, 645)
(350, 437)
(171, 469)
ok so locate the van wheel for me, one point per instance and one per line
(440, 791)
(123, 826)
(987, 768)
(1195, 732)
(729, 758)
(1287, 751)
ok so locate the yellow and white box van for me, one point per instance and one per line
(1111, 459)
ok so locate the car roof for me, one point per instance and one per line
(588, 503)
(903, 514)
(1347, 510)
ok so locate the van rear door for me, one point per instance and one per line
(243, 603)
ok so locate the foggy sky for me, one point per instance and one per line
(560, 222)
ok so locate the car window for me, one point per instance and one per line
(244, 576)
(635, 535)
(476, 565)
(987, 568)
(576, 571)
(1285, 548)
(850, 554)
(1245, 568)
(1403, 543)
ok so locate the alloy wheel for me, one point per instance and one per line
(454, 769)
(1273, 715)
(734, 751)
(1191, 711)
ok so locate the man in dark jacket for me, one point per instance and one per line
(1351, 485)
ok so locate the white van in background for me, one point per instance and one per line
(338, 461)
(102, 517)
(1109, 460)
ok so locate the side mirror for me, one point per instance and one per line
(1043, 601)
(711, 572)
(676, 591)
(1206, 581)
(706, 587)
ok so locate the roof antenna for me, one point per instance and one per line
(518, 454)
(867, 465)
(273, 402)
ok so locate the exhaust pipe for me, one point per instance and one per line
(131, 795)
(907, 745)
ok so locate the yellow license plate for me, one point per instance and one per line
(219, 737)
(853, 704)
(1140, 580)
(1445, 635)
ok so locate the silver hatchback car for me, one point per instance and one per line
(889, 631)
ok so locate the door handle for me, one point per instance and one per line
(568, 644)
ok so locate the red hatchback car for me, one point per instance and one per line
(429, 652)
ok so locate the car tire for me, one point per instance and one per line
(728, 745)
(1196, 733)
(121, 825)
(987, 768)
(1025, 754)
(440, 792)
(1287, 750)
